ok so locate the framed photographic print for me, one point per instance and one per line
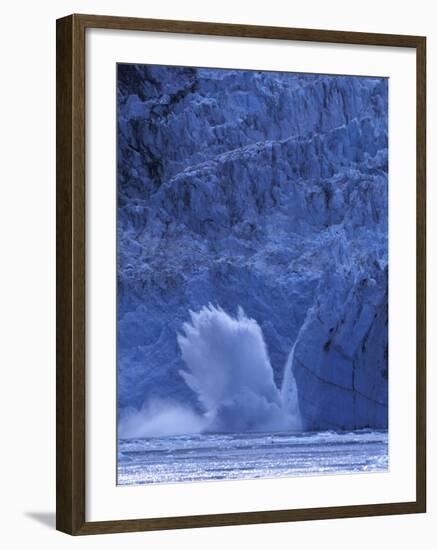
(240, 274)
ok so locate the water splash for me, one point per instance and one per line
(289, 396)
(159, 418)
(289, 393)
(229, 370)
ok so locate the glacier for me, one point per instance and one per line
(263, 191)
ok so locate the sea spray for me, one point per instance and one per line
(289, 393)
(229, 370)
(159, 418)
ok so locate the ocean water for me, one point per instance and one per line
(206, 457)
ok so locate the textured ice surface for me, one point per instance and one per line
(243, 456)
(262, 190)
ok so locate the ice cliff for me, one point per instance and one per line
(262, 190)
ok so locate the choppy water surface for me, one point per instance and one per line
(202, 457)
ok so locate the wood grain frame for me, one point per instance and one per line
(70, 276)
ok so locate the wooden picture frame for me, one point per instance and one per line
(71, 283)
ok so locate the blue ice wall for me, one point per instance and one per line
(262, 190)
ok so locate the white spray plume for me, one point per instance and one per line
(228, 368)
(159, 418)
